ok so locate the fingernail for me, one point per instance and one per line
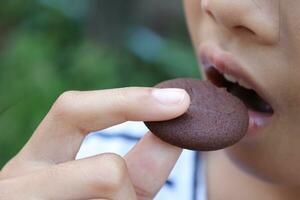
(169, 96)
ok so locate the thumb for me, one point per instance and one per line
(150, 163)
(100, 177)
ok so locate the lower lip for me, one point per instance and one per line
(257, 121)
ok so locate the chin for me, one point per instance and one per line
(254, 159)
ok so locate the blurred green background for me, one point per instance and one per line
(50, 46)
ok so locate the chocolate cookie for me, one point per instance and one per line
(215, 119)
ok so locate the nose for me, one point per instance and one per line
(246, 17)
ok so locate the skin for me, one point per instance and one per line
(263, 36)
(268, 47)
(45, 168)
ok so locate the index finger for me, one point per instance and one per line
(75, 114)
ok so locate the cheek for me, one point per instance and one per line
(193, 13)
(290, 71)
(290, 37)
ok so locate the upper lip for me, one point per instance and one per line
(224, 62)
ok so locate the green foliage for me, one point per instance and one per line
(44, 52)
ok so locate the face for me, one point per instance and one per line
(252, 47)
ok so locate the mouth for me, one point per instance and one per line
(223, 71)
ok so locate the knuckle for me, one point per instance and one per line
(65, 104)
(116, 169)
(134, 93)
(121, 104)
(116, 162)
(51, 172)
(121, 96)
(129, 94)
(127, 99)
(143, 194)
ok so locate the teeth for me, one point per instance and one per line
(234, 80)
(230, 78)
(244, 84)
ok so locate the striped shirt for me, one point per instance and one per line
(187, 179)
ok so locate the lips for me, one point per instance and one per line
(223, 70)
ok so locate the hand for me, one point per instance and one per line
(46, 167)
